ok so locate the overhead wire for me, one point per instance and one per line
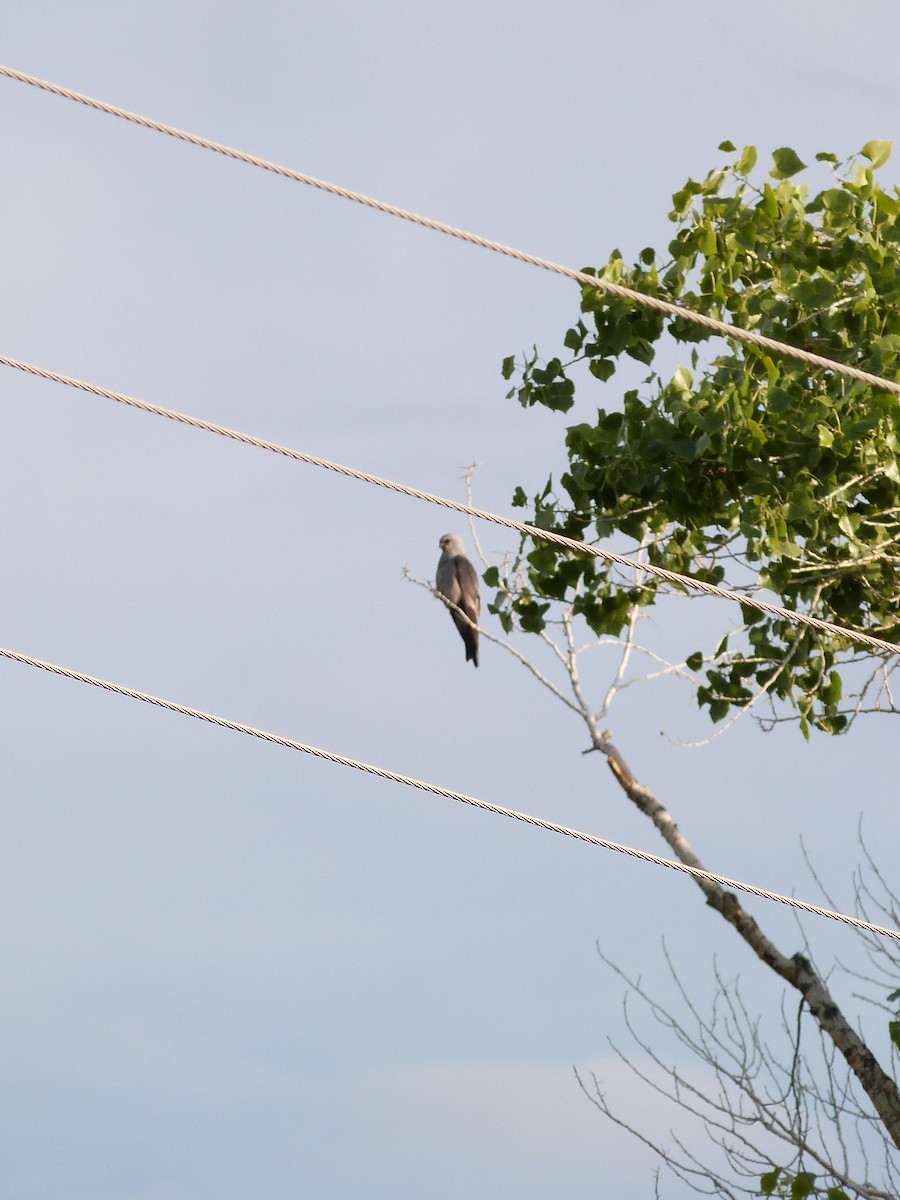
(723, 328)
(533, 531)
(446, 793)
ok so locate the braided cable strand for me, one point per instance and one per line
(613, 289)
(446, 793)
(533, 531)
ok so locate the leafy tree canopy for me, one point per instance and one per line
(742, 464)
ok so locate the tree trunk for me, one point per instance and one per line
(796, 970)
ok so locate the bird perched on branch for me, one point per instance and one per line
(457, 582)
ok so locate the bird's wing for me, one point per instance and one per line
(467, 578)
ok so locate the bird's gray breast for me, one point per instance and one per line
(447, 579)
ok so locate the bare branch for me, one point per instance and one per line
(490, 637)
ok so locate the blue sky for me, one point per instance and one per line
(230, 970)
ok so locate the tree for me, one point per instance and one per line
(748, 464)
(787, 478)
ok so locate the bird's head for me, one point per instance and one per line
(451, 543)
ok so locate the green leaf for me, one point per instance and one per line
(769, 202)
(706, 238)
(602, 368)
(877, 152)
(728, 147)
(682, 379)
(802, 1185)
(509, 365)
(681, 200)
(848, 523)
(769, 1181)
(747, 161)
(779, 400)
(838, 201)
(574, 338)
(814, 293)
(718, 709)
(889, 204)
(694, 661)
(833, 691)
(531, 615)
(787, 163)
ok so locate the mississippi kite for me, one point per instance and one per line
(457, 582)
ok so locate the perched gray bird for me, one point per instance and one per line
(457, 582)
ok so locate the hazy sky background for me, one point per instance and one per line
(230, 970)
